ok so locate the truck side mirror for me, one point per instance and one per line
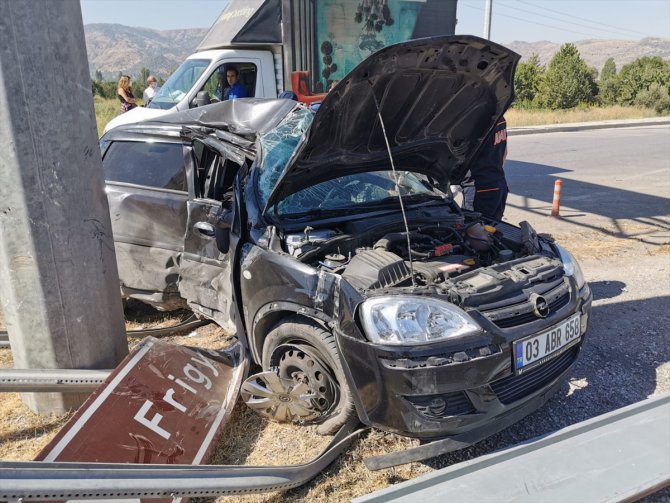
(201, 99)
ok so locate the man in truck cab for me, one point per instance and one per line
(232, 88)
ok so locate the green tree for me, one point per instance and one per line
(608, 89)
(527, 81)
(568, 80)
(138, 87)
(144, 75)
(656, 97)
(639, 76)
(609, 70)
(109, 89)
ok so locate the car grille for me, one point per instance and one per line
(521, 313)
(513, 388)
(457, 404)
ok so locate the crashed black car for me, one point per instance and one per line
(330, 243)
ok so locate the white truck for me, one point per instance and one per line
(268, 40)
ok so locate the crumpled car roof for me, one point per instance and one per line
(248, 116)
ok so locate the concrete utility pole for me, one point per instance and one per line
(487, 19)
(59, 283)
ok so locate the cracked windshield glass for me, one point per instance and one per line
(345, 192)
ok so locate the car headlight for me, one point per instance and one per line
(571, 267)
(411, 320)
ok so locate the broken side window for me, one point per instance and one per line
(157, 165)
(215, 173)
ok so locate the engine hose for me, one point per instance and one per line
(419, 254)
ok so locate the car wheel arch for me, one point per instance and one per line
(274, 313)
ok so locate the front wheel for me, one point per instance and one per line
(303, 380)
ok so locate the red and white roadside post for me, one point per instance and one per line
(556, 204)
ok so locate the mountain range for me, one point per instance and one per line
(114, 48)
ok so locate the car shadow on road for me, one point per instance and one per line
(607, 289)
(584, 198)
(624, 347)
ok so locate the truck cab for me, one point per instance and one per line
(199, 79)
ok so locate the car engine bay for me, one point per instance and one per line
(465, 256)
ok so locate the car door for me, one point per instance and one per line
(205, 270)
(147, 190)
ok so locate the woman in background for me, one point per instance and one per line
(125, 94)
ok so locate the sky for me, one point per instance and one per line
(525, 20)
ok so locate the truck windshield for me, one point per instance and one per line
(179, 83)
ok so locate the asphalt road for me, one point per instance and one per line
(612, 178)
(615, 217)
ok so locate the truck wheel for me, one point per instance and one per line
(302, 350)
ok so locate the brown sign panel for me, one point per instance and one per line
(163, 404)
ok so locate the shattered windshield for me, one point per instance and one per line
(179, 83)
(359, 190)
(345, 192)
(277, 146)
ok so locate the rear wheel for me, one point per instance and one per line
(303, 379)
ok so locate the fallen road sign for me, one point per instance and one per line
(163, 404)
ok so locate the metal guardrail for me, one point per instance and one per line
(40, 481)
(74, 380)
(51, 380)
(189, 323)
(623, 455)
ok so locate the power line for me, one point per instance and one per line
(582, 18)
(566, 22)
(532, 22)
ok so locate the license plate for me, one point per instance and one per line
(537, 349)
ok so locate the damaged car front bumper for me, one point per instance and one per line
(451, 388)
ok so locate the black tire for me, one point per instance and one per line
(303, 331)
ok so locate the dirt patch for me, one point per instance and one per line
(628, 239)
(660, 250)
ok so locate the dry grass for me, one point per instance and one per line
(105, 111)
(273, 444)
(522, 118)
(22, 432)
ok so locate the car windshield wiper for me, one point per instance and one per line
(320, 212)
(413, 198)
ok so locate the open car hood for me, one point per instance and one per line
(438, 97)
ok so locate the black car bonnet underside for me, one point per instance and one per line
(438, 97)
